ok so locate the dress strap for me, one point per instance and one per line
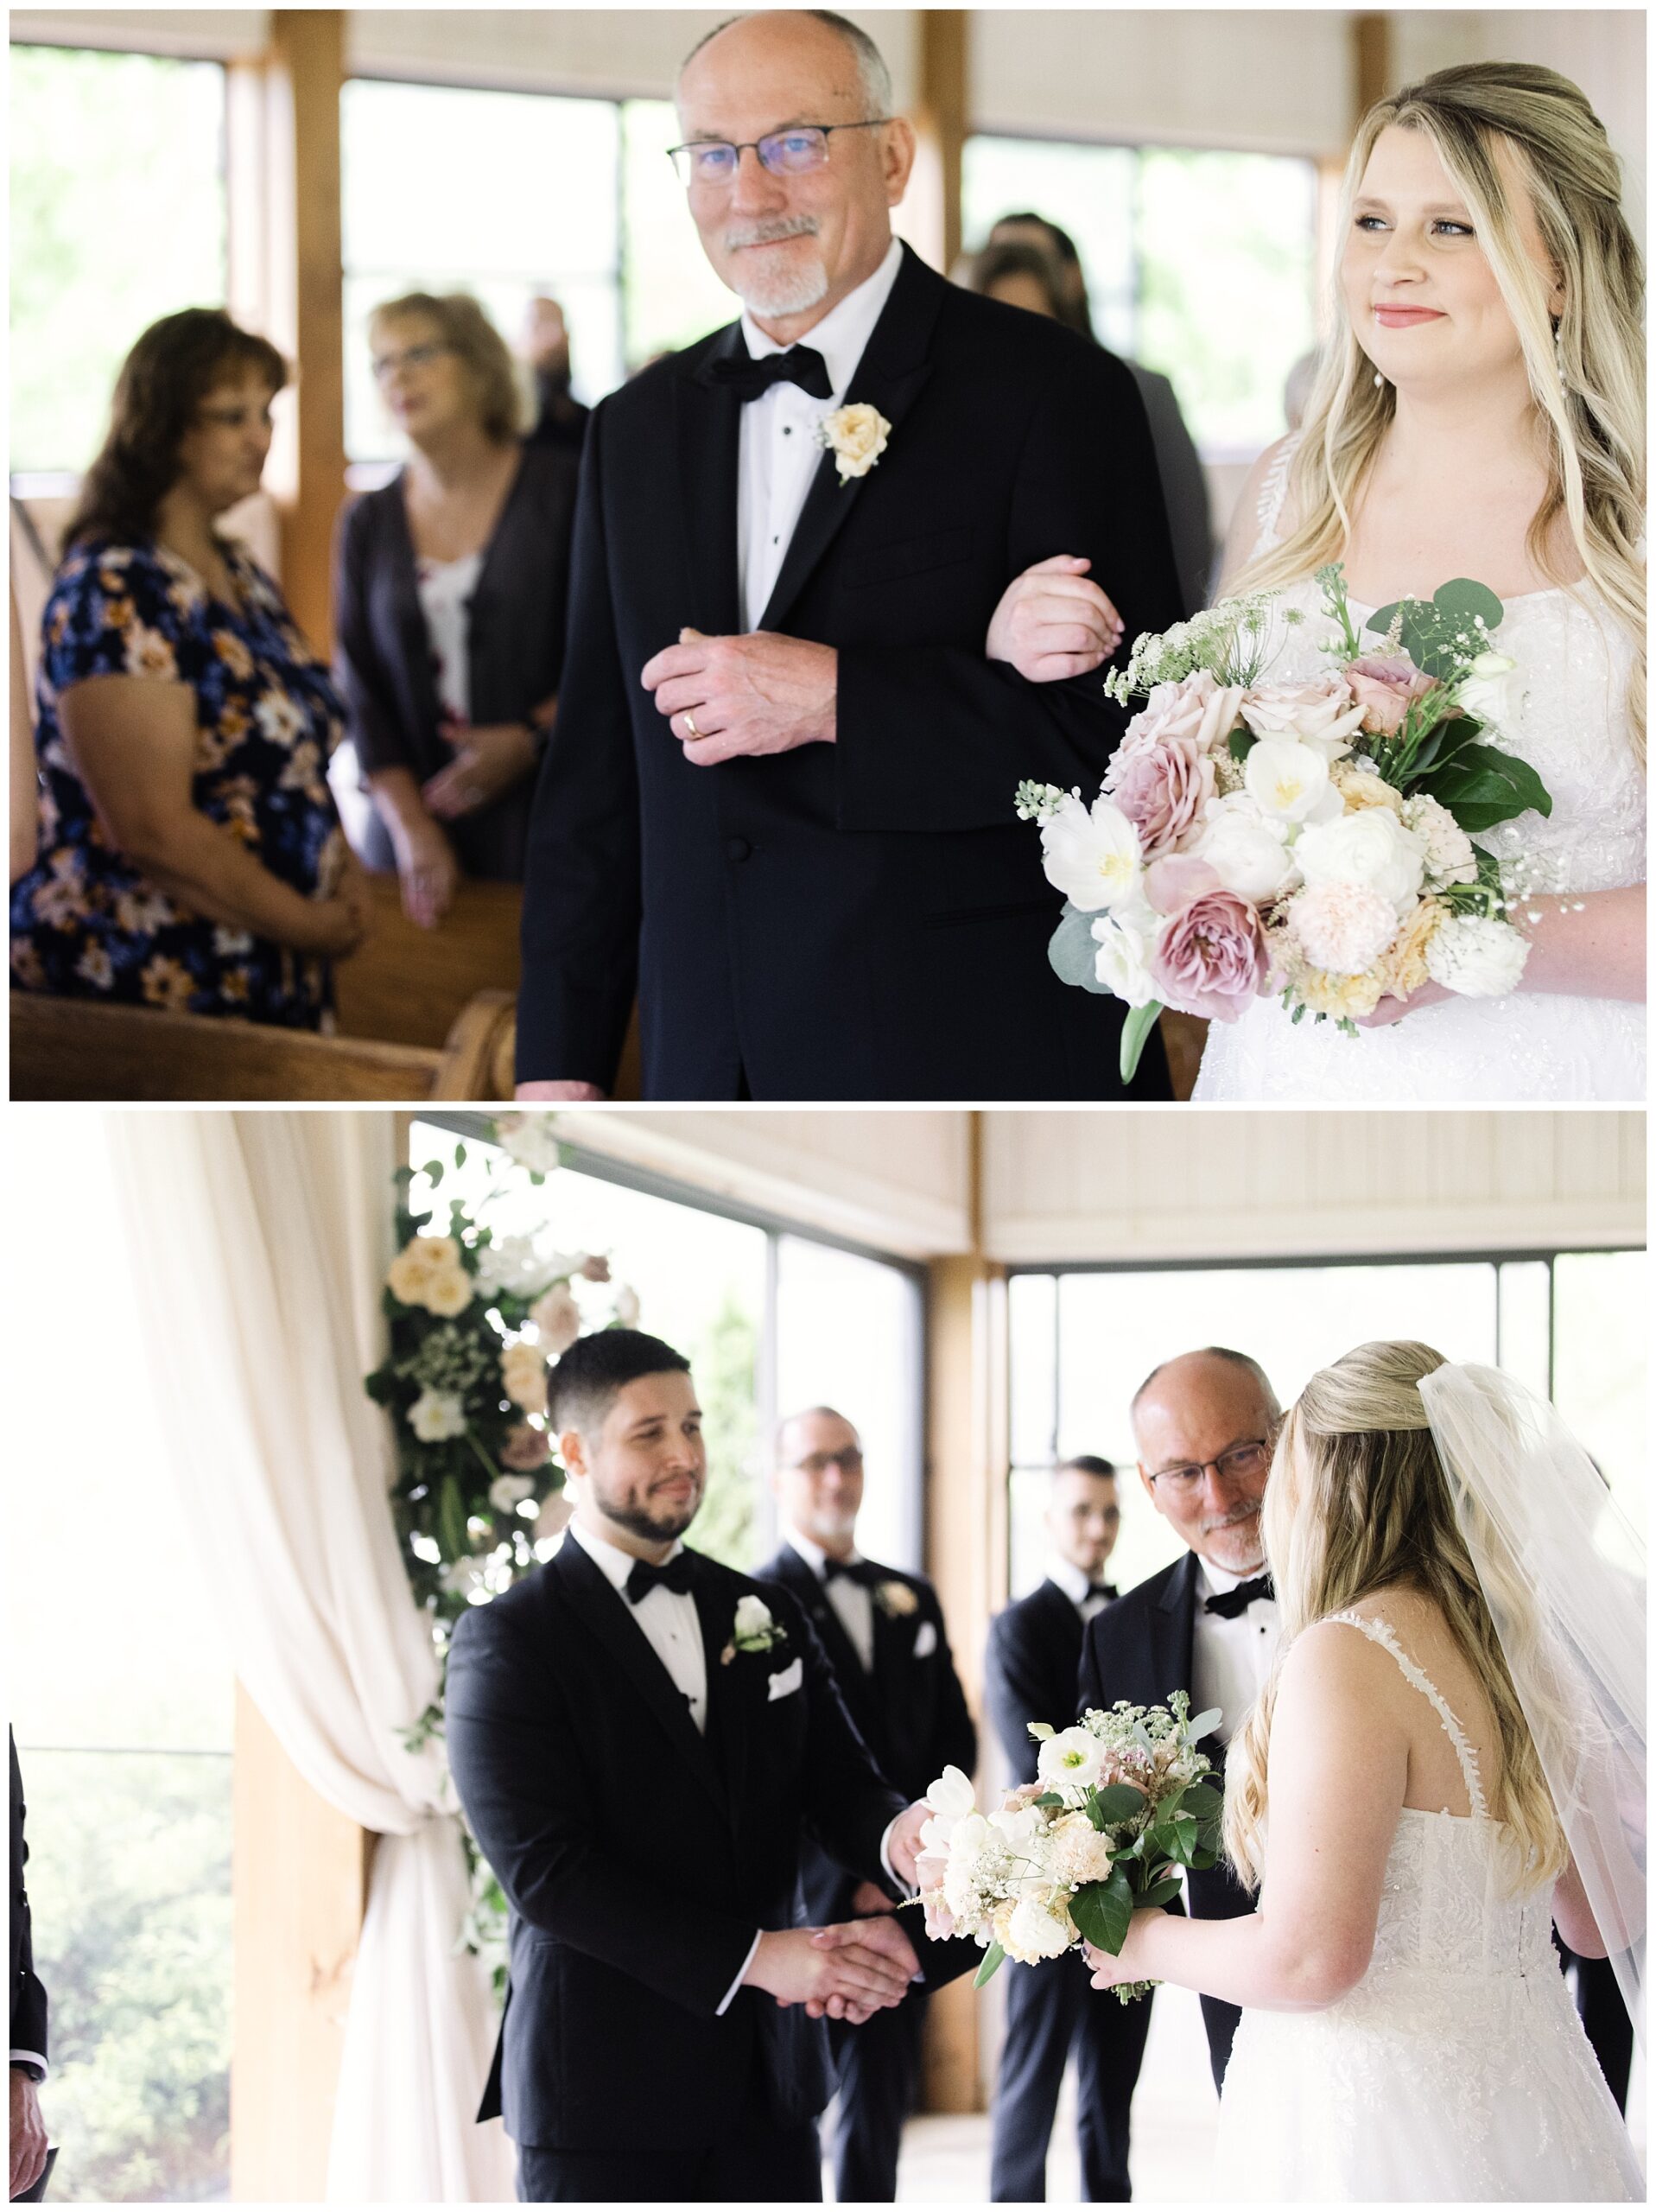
(1381, 1632)
(1273, 493)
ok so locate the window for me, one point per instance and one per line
(1199, 264)
(118, 218)
(123, 1715)
(771, 1320)
(1083, 1341)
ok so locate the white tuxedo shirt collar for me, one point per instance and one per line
(813, 1554)
(1076, 1585)
(841, 337)
(611, 1561)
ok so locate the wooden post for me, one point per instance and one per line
(930, 216)
(1371, 43)
(299, 1880)
(967, 1465)
(287, 278)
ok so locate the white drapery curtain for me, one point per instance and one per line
(260, 1243)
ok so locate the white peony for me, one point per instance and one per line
(509, 1492)
(1247, 849)
(1125, 940)
(1372, 848)
(1290, 780)
(1489, 692)
(1449, 854)
(1479, 957)
(1072, 1758)
(1037, 1931)
(435, 1416)
(1093, 856)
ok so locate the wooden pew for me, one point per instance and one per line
(76, 1048)
(409, 986)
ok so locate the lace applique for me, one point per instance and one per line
(1381, 1632)
(1273, 493)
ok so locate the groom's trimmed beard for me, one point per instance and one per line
(796, 286)
(653, 1523)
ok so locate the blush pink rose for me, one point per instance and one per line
(1386, 686)
(523, 1449)
(1210, 958)
(1320, 713)
(1195, 709)
(1172, 883)
(1162, 789)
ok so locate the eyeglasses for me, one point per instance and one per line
(848, 1463)
(233, 417)
(411, 357)
(784, 153)
(1239, 1465)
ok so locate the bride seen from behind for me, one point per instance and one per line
(1406, 2034)
(1479, 412)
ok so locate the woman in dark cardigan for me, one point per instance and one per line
(449, 591)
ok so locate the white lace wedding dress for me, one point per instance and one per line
(1457, 2069)
(1575, 664)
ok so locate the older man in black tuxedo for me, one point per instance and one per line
(639, 1737)
(1205, 1424)
(28, 2144)
(779, 797)
(883, 1631)
(1030, 1674)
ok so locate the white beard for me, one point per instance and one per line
(782, 291)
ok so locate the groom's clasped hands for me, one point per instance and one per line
(854, 1969)
(761, 693)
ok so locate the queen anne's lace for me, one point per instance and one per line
(1456, 2069)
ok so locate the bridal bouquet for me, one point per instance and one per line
(1314, 841)
(1119, 1806)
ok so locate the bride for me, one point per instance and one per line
(1479, 412)
(1406, 2033)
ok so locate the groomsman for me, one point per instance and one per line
(1030, 1674)
(29, 2148)
(1205, 1424)
(882, 1632)
(639, 1736)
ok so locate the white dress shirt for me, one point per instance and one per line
(852, 1602)
(1077, 1586)
(779, 451)
(1230, 1659)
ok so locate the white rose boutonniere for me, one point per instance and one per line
(896, 1600)
(856, 436)
(754, 1630)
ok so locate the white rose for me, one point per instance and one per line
(1072, 1758)
(435, 1416)
(1372, 848)
(1246, 849)
(1489, 692)
(1125, 940)
(1038, 1932)
(856, 436)
(1093, 855)
(753, 1616)
(1290, 780)
(509, 1492)
(1477, 956)
(512, 1264)
(557, 1319)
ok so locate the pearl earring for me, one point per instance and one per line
(1380, 381)
(1558, 354)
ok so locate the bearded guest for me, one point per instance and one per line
(883, 1631)
(779, 802)
(1205, 1424)
(640, 1738)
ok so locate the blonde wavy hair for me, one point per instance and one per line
(1358, 1503)
(467, 332)
(1591, 417)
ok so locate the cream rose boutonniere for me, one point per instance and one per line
(856, 436)
(896, 1600)
(754, 1630)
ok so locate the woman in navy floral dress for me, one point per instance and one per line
(190, 855)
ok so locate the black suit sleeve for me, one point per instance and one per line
(971, 729)
(581, 888)
(518, 1768)
(1015, 1690)
(358, 666)
(28, 2006)
(849, 1804)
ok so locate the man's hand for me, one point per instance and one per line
(868, 1898)
(1390, 1010)
(27, 2133)
(1053, 622)
(559, 1094)
(488, 760)
(856, 1966)
(728, 698)
(903, 1848)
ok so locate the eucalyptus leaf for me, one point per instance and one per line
(1072, 951)
(1463, 599)
(1102, 1911)
(433, 1173)
(1204, 1724)
(1134, 1031)
(992, 1959)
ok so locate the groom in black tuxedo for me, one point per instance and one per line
(883, 1631)
(779, 797)
(1029, 1675)
(1205, 1424)
(639, 1737)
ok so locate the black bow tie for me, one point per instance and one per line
(1228, 1602)
(1102, 1590)
(675, 1575)
(854, 1570)
(750, 379)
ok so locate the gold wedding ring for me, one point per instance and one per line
(690, 729)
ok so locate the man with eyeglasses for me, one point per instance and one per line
(1205, 1424)
(779, 797)
(883, 1631)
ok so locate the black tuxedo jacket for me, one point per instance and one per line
(28, 1997)
(910, 1712)
(639, 1858)
(864, 919)
(1031, 1670)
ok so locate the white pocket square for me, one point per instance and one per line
(926, 1641)
(785, 1683)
